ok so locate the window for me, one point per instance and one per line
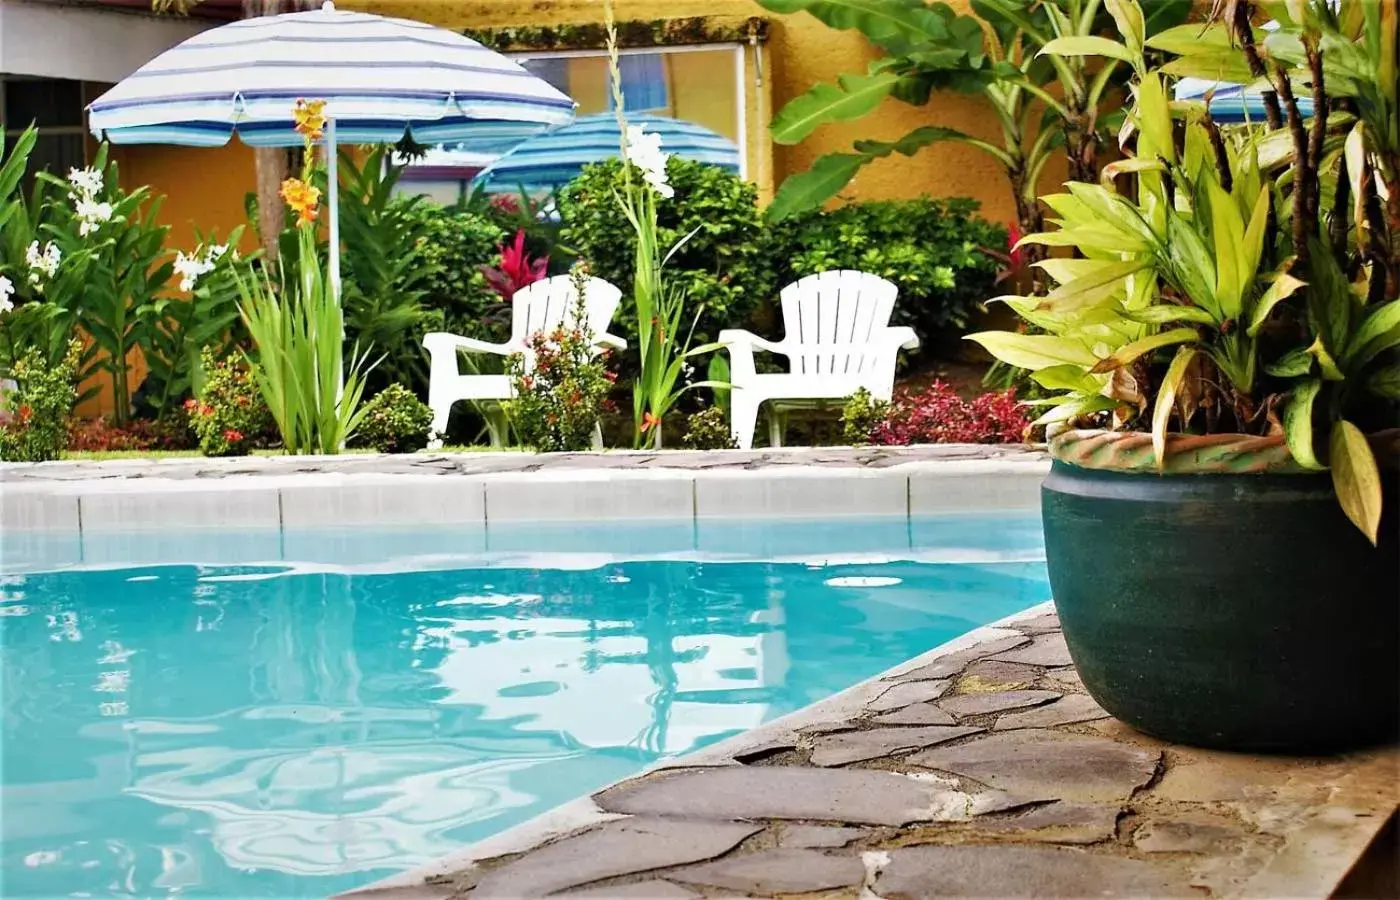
(56, 106)
(702, 83)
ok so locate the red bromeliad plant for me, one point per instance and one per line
(936, 415)
(516, 270)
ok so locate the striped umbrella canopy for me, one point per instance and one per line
(1231, 103)
(380, 78)
(557, 157)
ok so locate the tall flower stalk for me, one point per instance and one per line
(298, 328)
(663, 336)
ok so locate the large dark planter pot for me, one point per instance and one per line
(1234, 611)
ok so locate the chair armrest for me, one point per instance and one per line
(611, 341)
(441, 341)
(903, 336)
(732, 337)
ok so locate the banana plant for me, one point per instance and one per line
(1042, 103)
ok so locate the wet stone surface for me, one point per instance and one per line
(876, 793)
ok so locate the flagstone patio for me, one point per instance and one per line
(981, 769)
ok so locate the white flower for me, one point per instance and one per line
(91, 215)
(216, 252)
(87, 183)
(7, 290)
(42, 265)
(644, 151)
(191, 269)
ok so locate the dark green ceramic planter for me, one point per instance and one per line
(1239, 612)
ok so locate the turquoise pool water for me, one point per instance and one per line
(256, 714)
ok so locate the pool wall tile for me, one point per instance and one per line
(976, 487)
(137, 507)
(587, 496)
(24, 508)
(182, 547)
(357, 546)
(331, 501)
(802, 493)
(885, 537)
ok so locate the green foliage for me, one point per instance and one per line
(455, 244)
(299, 361)
(929, 47)
(859, 417)
(560, 385)
(708, 429)
(228, 415)
(395, 422)
(721, 269)
(35, 425)
(387, 268)
(931, 249)
(1221, 289)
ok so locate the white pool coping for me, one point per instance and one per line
(115, 501)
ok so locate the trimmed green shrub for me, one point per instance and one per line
(708, 429)
(395, 422)
(456, 296)
(930, 248)
(722, 266)
(35, 425)
(229, 413)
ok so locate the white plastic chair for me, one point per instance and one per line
(542, 306)
(837, 339)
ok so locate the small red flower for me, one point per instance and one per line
(233, 435)
(205, 409)
(191, 403)
(243, 400)
(649, 422)
(25, 412)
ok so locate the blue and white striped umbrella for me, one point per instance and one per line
(557, 157)
(1231, 103)
(379, 77)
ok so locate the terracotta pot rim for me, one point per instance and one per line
(1193, 454)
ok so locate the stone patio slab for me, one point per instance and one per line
(777, 872)
(981, 704)
(855, 746)
(916, 873)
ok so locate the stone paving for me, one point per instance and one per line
(984, 771)
(428, 463)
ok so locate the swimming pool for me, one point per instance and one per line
(296, 714)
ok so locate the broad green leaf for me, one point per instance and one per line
(1330, 299)
(1063, 270)
(1184, 40)
(1211, 65)
(1191, 263)
(1379, 331)
(1087, 45)
(1283, 287)
(1356, 478)
(810, 189)
(1090, 238)
(1292, 364)
(1252, 249)
(1355, 152)
(1227, 227)
(851, 97)
(1076, 406)
(893, 24)
(925, 135)
(1131, 351)
(1166, 401)
(1325, 362)
(1297, 423)
(1099, 284)
(1154, 119)
(1127, 15)
(1132, 164)
(1385, 382)
(1066, 378)
(1033, 351)
(1164, 315)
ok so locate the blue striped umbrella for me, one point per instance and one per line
(381, 78)
(1231, 103)
(557, 157)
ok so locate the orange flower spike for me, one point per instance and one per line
(649, 422)
(302, 199)
(310, 116)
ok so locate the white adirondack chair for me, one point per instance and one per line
(542, 306)
(837, 339)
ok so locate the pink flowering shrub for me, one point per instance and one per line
(935, 415)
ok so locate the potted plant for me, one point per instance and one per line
(1223, 353)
